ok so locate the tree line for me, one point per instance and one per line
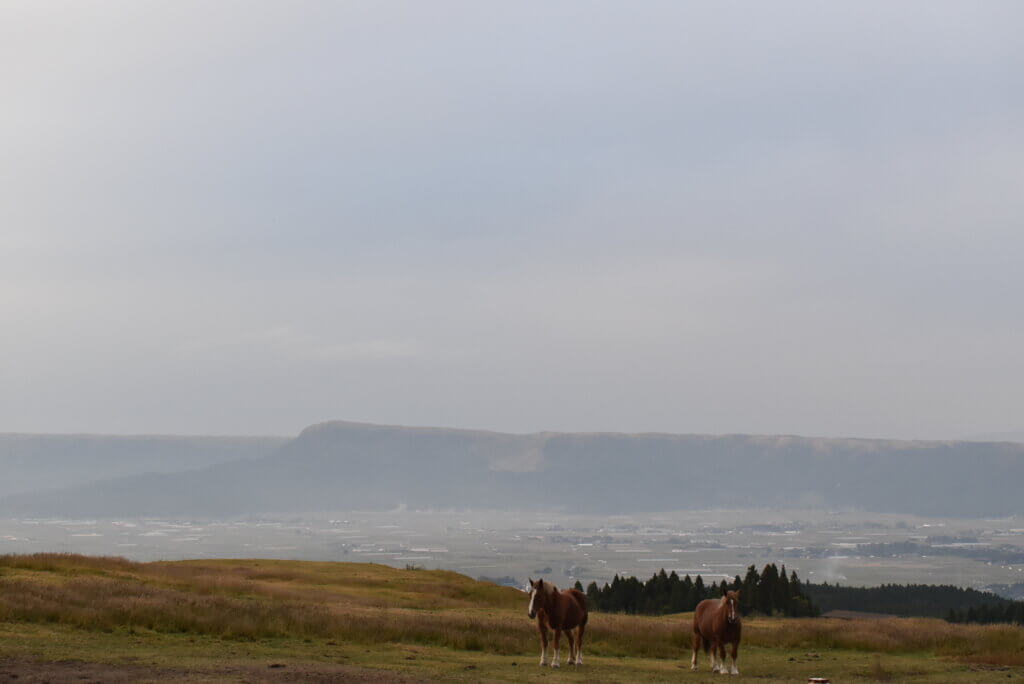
(918, 600)
(773, 592)
(955, 604)
(770, 592)
(985, 614)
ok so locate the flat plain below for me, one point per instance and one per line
(66, 617)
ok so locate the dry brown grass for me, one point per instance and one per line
(999, 644)
(241, 601)
(377, 604)
(67, 563)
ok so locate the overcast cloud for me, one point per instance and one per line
(245, 217)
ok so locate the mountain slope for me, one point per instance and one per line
(36, 462)
(339, 466)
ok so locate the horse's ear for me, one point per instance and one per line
(530, 580)
(540, 583)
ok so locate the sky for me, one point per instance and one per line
(717, 217)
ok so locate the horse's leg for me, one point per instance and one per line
(715, 666)
(721, 658)
(579, 644)
(735, 651)
(697, 640)
(554, 658)
(572, 647)
(543, 643)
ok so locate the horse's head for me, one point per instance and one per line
(731, 605)
(540, 593)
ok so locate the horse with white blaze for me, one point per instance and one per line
(561, 611)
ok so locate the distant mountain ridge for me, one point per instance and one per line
(1010, 436)
(32, 462)
(349, 466)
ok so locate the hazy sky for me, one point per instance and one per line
(246, 217)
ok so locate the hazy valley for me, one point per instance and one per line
(567, 507)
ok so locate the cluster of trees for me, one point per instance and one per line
(918, 600)
(1012, 612)
(773, 592)
(770, 592)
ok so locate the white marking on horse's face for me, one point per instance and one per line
(731, 606)
(530, 611)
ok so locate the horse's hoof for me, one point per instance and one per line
(554, 664)
(543, 663)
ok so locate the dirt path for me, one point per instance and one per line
(17, 670)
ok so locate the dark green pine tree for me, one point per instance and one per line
(594, 596)
(690, 599)
(800, 604)
(615, 595)
(795, 589)
(631, 590)
(766, 589)
(748, 595)
(657, 593)
(783, 599)
(677, 597)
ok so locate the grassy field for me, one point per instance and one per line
(75, 617)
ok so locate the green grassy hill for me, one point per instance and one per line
(68, 617)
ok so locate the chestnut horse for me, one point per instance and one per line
(562, 611)
(716, 623)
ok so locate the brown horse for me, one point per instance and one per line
(562, 611)
(716, 623)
